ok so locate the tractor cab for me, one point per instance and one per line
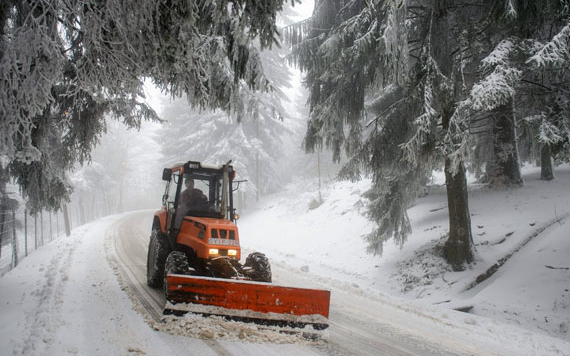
(198, 206)
(209, 195)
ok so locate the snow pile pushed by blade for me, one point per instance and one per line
(283, 321)
(219, 328)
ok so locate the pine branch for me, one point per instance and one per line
(537, 84)
(389, 109)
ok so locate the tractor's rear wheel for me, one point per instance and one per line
(156, 258)
(258, 267)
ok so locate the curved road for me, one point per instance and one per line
(358, 326)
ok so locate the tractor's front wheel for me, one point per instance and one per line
(176, 263)
(258, 267)
(156, 259)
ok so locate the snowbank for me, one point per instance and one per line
(530, 290)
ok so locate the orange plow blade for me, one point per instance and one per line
(240, 300)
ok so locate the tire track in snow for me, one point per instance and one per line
(48, 298)
(132, 271)
(127, 269)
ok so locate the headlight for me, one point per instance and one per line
(214, 251)
(232, 252)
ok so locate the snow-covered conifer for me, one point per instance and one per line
(85, 52)
(252, 141)
(408, 60)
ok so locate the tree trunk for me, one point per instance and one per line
(3, 213)
(257, 178)
(83, 221)
(93, 214)
(459, 245)
(66, 221)
(505, 169)
(546, 170)
(257, 183)
(42, 226)
(319, 174)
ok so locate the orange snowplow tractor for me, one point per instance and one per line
(247, 295)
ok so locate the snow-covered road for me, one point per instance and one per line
(81, 295)
(357, 324)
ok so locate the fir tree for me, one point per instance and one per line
(78, 54)
(551, 83)
(508, 89)
(408, 59)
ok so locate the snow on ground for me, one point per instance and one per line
(65, 298)
(530, 291)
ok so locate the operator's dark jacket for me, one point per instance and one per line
(190, 197)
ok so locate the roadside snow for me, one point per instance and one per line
(530, 291)
(65, 299)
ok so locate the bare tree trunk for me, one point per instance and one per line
(50, 229)
(319, 174)
(82, 220)
(257, 183)
(66, 221)
(42, 226)
(26, 232)
(546, 170)
(505, 170)
(459, 245)
(35, 231)
(94, 214)
(257, 178)
(3, 213)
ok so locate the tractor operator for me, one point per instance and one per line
(190, 199)
(190, 196)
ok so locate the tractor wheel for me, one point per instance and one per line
(176, 263)
(157, 251)
(258, 267)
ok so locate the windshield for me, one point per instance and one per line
(201, 195)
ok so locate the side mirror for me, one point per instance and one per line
(167, 174)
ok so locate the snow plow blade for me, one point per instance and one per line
(247, 301)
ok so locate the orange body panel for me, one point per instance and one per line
(190, 230)
(161, 215)
(245, 295)
(189, 234)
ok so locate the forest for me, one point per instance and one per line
(396, 90)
